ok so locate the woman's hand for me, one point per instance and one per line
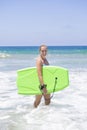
(43, 88)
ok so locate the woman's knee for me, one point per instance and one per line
(36, 103)
(47, 99)
(47, 102)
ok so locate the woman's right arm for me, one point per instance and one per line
(40, 76)
(39, 71)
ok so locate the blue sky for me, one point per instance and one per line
(33, 22)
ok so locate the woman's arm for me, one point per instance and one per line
(40, 76)
(39, 71)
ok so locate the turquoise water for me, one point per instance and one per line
(13, 58)
(34, 49)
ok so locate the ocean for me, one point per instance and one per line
(68, 108)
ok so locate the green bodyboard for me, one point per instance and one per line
(54, 76)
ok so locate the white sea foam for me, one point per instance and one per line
(67, 111)
(4, 55)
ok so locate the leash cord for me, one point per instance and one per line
(53, 90)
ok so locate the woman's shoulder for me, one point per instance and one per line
(38, 60)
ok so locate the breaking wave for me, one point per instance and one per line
(4, 55)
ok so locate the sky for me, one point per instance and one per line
(33, 22)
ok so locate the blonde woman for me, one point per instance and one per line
(41, 60)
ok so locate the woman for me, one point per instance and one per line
(41, 60)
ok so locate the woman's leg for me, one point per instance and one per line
(47, 99)
(37, 100)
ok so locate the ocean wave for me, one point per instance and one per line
(4, 55)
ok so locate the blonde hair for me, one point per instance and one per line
(42, 46)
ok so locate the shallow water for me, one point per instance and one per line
(68, 108)
(67, 111)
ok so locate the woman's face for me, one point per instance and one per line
(43, 51)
